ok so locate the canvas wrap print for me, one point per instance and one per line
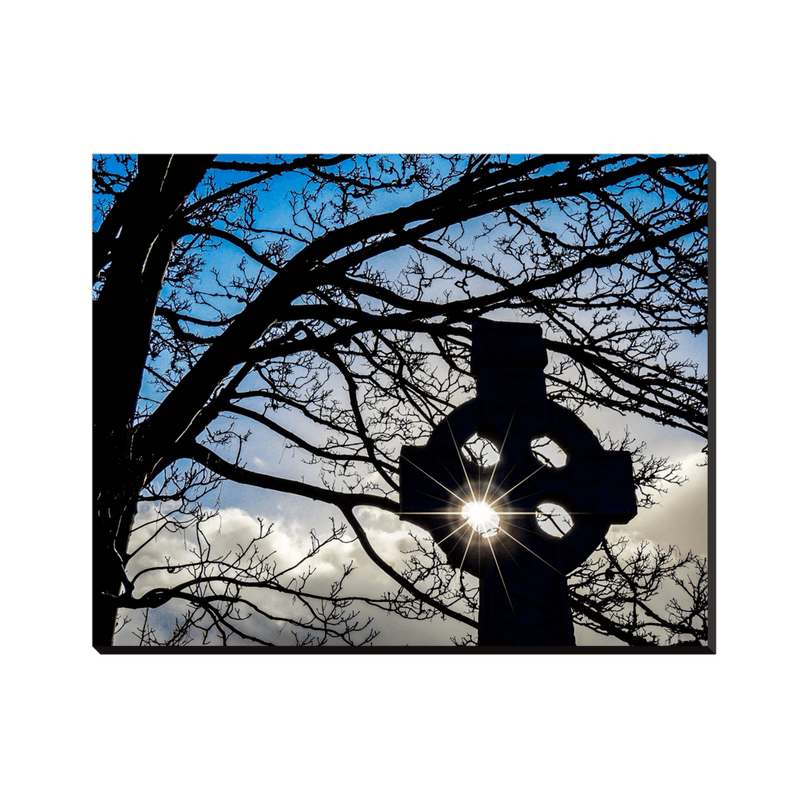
(408, 403)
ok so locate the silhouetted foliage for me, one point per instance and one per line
(327, 300)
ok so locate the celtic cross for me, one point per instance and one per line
(488, 519)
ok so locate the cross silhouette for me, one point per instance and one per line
(488, 520)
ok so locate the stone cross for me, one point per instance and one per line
(488, 520)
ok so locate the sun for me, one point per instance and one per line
(482, 518)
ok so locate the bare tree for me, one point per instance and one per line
(328, 300)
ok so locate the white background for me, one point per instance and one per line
(499, 77)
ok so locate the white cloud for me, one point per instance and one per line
(376, 520)
(287, 543)
(681, 517)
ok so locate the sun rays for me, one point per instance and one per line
(488, 516)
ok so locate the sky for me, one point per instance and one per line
(574, 78)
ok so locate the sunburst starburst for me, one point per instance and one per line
(482, 518)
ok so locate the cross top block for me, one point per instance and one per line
(511, 410)
(514, 345)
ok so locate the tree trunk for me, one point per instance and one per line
(133, 247)
(118, 483)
